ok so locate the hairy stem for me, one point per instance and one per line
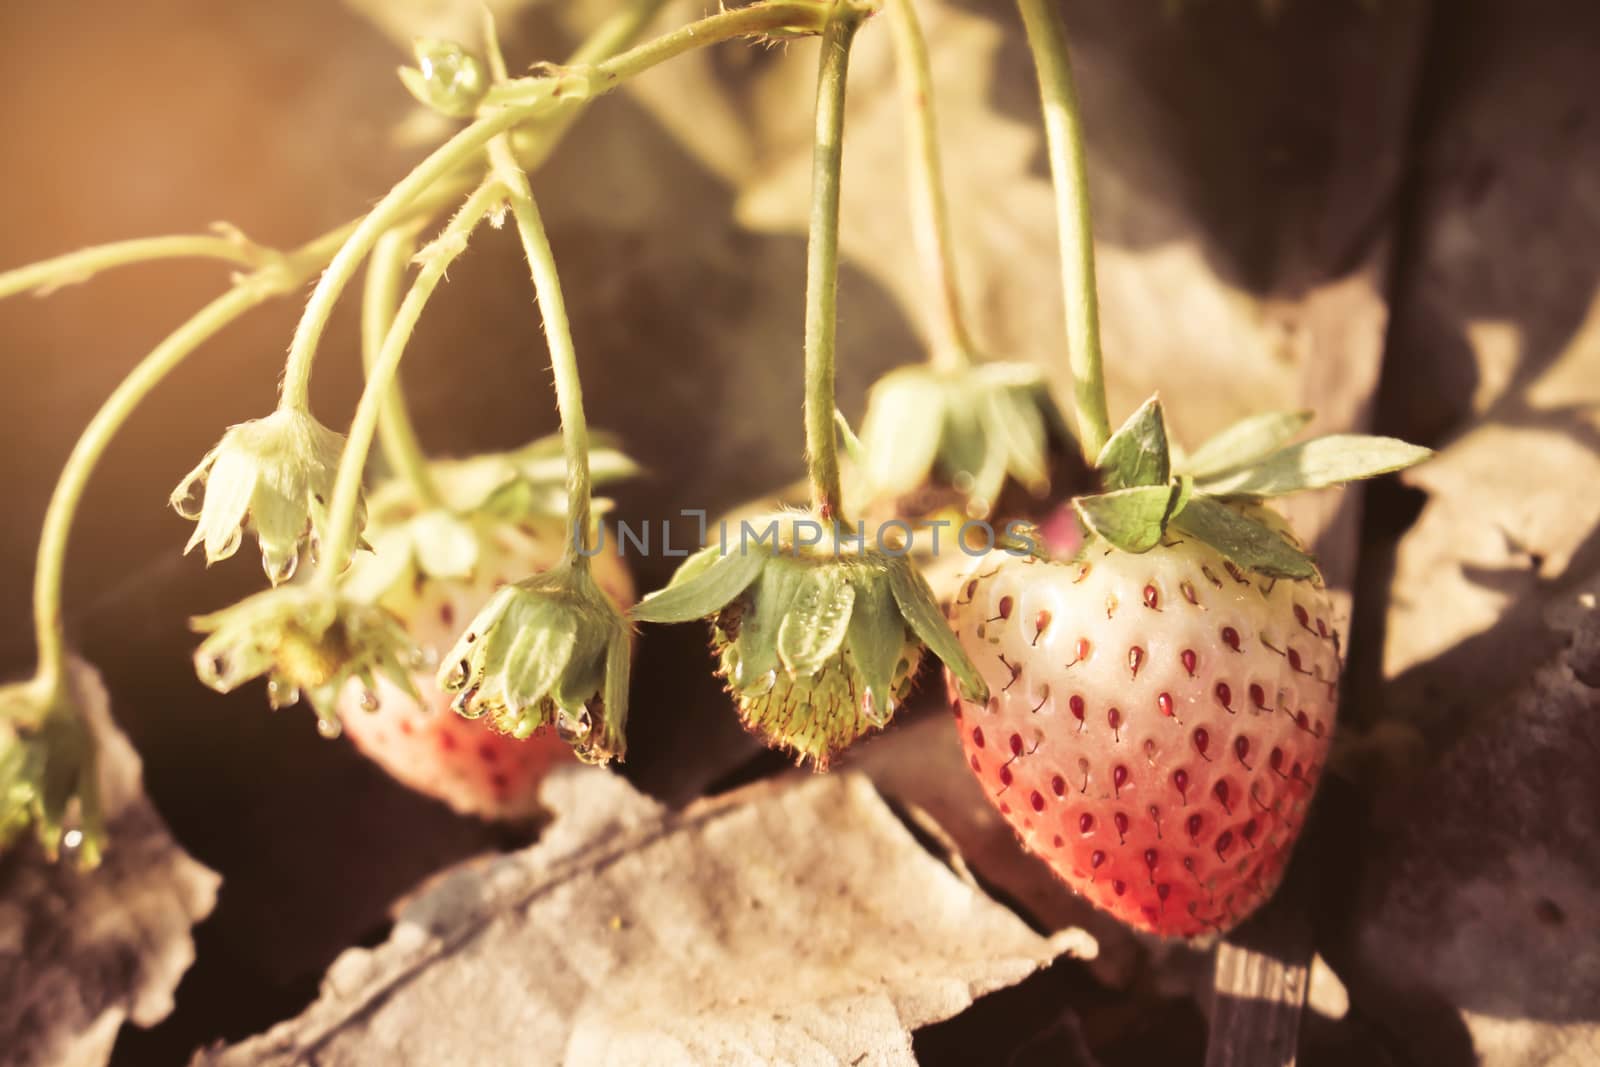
(930, 214)
(74, 267)
(436, 259)
(282, 276)
(1064, 135)
(396, 435)
(822, 268)
(563, 353)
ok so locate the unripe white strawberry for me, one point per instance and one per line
(1157, 722)
(425, 744)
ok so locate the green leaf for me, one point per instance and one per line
(816, 622)
(703, 595)
(1246, 440)
(1317, 464)
(615, 696)
(922, 614)
(1131, 519)
(1248, 543)
(876, 640)
(1137, 453)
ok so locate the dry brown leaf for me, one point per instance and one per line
(82, 952)
(798, 925)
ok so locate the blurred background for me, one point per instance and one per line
(1386, 210)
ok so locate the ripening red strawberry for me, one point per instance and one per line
(427, 746)
(1157, 724)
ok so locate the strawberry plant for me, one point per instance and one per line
(1146, 687)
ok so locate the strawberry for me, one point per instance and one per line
(434, 571)
(1157, 723)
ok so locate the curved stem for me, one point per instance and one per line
(930, 214)
(51, 274)
(1064, 134)
(436, 259)
(563, 353)
(47, 620)
(396, 435)
(282, 275)
(822, 268)
(506, 106)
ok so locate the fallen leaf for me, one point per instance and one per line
(83, 951)
(801, 923)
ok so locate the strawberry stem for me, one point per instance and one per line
(281, 275)
(563, 353)
(80, 266)
(952, 344)
(436, 259)
(1064, 135)
(397, 437)
(822, 266)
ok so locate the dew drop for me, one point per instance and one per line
(328, 728)
(279, 570)
(369, 700)
(281, 694)
(574, 729)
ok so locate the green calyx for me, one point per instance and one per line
(447, 78)
(48, 772)
(974, 425)
(273, 476)
(817, 635)
(1214, 496)
(305, 640)
(551, 650)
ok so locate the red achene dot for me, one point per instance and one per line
(1077, 707)
(1151, 598)
(1135, 659)
(1230, 637)
(1120, 821)
(977, 736)
(1225, 695)
(1016, 744)
(1097, 858)
(1241, 748)
(1180, 778)
(1258, 696)
(1294, 660)
(1202, 740)
(1037, 801)
(1083, 648)
(1119, 777)
(976, 766)
(1005, 607)
(1224, 842)
(1189, 661)
(1058, 785)
(1086, 823)
(1005, 775)
(1150, 858)
(1193, 825)
(1163, 890)
(1221, 790)
(1114, 717)
(1164, 702)
(1119, 887)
